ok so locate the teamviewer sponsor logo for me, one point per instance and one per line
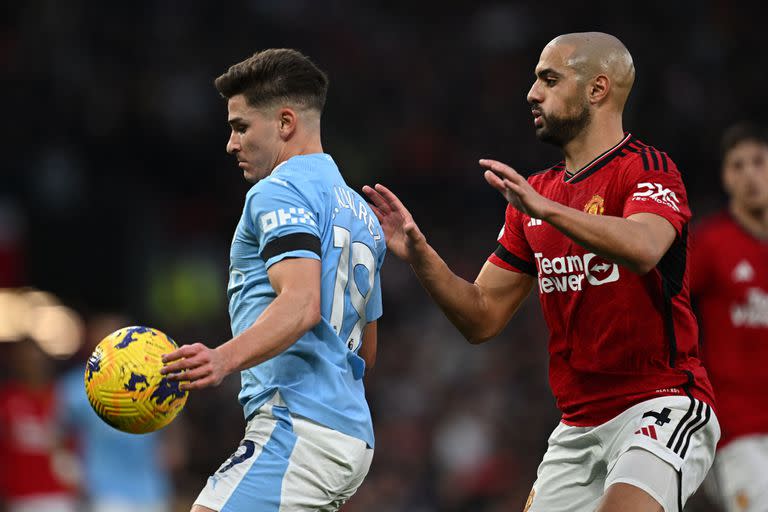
(568, 273)
(657, 192)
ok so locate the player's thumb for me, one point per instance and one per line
(413, 232)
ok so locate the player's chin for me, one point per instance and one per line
(541, 133)
(250, 176)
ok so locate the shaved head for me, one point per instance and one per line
(591, 54)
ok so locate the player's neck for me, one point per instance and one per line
(754, 221)
(591, 143)
(300, 146)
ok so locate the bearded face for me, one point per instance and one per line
(559, 128)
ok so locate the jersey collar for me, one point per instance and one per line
(598, 163)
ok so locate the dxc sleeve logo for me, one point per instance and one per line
(281, 217)
(656, 192)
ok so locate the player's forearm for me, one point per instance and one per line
(460, 300)
(282, 323)
(621, 240)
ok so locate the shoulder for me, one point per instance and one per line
(553, 173)
(636, 155)
(288, 181)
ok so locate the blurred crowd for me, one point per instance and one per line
(117, 196)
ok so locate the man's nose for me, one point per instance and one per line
(233, 145)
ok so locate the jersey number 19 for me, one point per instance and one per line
(352, 255)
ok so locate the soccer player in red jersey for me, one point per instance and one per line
(604, 237)
(729, 281)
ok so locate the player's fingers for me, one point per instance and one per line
(183, 351)
(377, 199)
(391, 198)
(499, 168)
(191, 375)
(494, 181)
(172, 356)
(179, 366)
(196, 384)
(515, 187)
(377, 212)
(186, 363)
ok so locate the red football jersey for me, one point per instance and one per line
(27, 437)
(729, 281)
(616, 338)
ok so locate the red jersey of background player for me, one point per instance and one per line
(617, 338)
(729, 281)
(27, 439)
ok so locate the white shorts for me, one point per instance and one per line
(43, 504)
(287, 463)
(741, 474)
(679, 433)
(110, 505)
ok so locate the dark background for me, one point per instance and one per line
(116, 193)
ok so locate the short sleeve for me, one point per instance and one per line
(374, 309)
(283, 220)
(513, 253)
(660, 192)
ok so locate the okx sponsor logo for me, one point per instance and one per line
(572, 273)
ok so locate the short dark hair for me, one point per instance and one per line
(276, 75)
(742, 132)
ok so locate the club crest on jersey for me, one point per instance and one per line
(595, 206)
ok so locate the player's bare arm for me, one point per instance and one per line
(638, 242)
(295, 310)
(368, 348)
(480, 310)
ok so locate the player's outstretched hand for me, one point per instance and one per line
(404, 238)
(516, 189)
(196, 364)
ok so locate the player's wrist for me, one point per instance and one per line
(229, 363)
(422, 257)
(549, 210)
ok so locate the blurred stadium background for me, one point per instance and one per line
(117, 198)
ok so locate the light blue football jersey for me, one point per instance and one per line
(117, 466)
(304, 209)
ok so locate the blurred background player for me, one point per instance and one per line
(120, 472)
(35, 470)
(729, 283)
(606, 233)
(304, 295)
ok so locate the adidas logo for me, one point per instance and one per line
(649, 431)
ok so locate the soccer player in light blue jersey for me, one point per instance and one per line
(304, 297)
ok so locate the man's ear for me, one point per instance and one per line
(599, 88)
(287, 120)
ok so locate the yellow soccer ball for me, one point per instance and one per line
(123, 381)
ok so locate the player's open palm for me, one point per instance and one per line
(404, 238)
